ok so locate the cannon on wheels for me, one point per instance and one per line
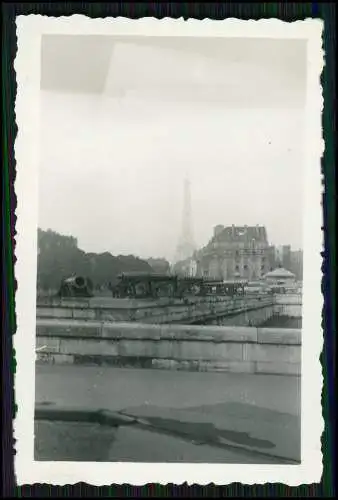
(76, 286)
(144, 285)
(152, 285)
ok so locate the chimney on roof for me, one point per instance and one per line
(218, 230)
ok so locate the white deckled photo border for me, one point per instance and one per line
(28, 66)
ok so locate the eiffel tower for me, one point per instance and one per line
(186, 245)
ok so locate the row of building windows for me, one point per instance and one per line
(245, 267)
(238, 267)
(239, 253)
(238, 257)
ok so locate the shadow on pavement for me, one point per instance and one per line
(78, 434)
(207, 432)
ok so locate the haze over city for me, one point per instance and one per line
(114, 156)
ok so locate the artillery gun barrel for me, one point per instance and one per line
(76, 286)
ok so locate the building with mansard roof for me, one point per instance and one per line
(236, 252)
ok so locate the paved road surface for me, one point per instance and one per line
(189, 416)
(119, 388)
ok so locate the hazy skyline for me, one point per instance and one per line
(122, 125)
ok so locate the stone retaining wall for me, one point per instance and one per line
(181, 347)
(162, 311)
(236, 311)
(291, 310)
(288, 298)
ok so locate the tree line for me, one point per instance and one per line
(59, 257)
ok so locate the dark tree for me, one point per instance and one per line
(59, 257)
(160, 266)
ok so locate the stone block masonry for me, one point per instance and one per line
(174, 347)
(161, 311)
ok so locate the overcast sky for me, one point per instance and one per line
(124, 121)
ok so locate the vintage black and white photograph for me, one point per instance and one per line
(171, 247)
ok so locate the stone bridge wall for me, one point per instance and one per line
(190, 310)
(178, 347)
(288, 305)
